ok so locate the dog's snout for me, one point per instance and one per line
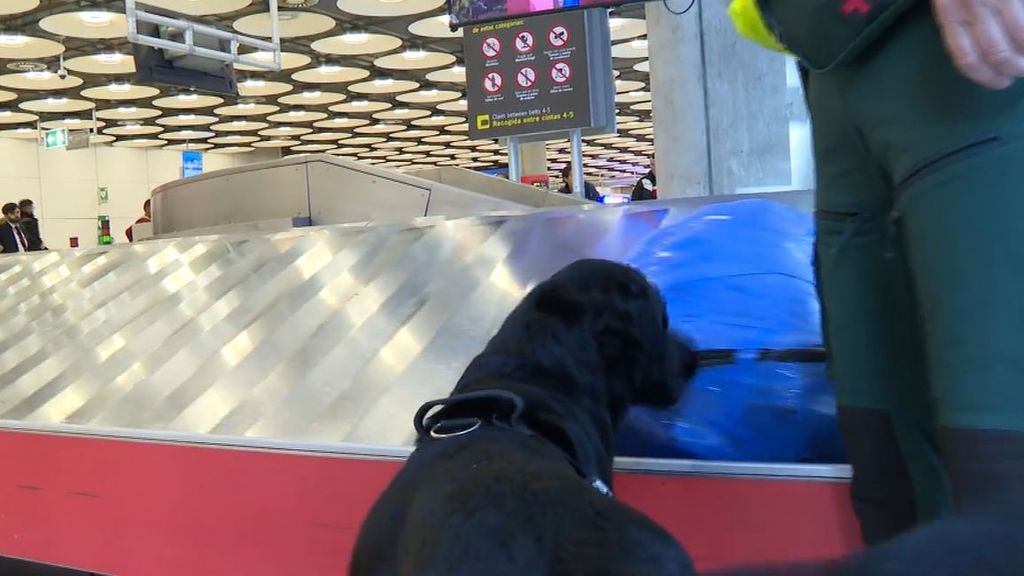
(685, 356)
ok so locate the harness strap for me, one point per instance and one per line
(721, 357)
(499, 408)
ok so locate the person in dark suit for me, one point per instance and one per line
(589, 190)
(12, 237)
(30, 225)
(647, 187)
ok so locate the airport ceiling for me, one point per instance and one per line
(376, 80)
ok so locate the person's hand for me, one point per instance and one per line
(985, 38)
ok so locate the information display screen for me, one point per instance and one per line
(465, 12)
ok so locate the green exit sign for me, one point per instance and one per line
(53, 139)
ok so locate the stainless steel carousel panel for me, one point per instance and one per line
(330, 334)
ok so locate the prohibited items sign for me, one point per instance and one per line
(491, 47)
(558, 37)
(526, 77)
(561, 72)
(524, 41)
(493, 82)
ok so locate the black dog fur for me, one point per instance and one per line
(580, 350)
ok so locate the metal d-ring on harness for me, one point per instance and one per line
(501, 408)
(438, 426)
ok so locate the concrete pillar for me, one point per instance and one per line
(729, 115)
(678, 95)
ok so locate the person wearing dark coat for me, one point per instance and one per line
(12, 238)
(647, 187)
(30, 225)
(589, 190)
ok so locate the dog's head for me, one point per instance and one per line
(595, 322)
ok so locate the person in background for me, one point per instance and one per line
(30, 225)
(647, 187)
(12, 237)
(146, 218)
(589, 190)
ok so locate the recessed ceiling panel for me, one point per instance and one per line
(385, 8)
(292, 24)
(199, 7)
(88, 24)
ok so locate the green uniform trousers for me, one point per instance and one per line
(920, 257)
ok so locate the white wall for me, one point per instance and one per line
(64, 185)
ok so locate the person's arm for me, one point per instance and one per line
(985, 38)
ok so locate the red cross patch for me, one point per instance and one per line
(851, 7)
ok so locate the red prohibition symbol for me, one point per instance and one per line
(561, 73)
(493, 82)
(491, 47)
(558, 36)
(527, 77)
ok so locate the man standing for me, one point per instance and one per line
(590, 191)
(147, 216)
(12, 238)
(918, 135)
(30, 225)
(647, 187)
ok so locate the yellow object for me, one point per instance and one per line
(746, 17)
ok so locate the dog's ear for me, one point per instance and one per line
(558, 300)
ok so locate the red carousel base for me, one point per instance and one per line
(130, 507)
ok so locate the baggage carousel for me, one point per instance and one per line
(233, 403)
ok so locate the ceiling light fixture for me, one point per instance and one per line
(6, 113)
(329, 69)
(353, 37)
(414, 54)
(13, 40)
(56, 101)
(383, 81)
(264, 56)
(312, 94)
(639, 44)
(24, 130)
(127, 109)
(361, 103)
(120, 87)
(96, 18)
(72, 120)
(186, 117)
(615, 22)
(254, 83)
(429, 92)
(110, 58)
(296, 113)
(39, 75)
(246, 105)
(188, 97)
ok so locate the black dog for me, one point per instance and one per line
(511, 473)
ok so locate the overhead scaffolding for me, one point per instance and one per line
(191, 30)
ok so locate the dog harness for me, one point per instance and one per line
(497, 408)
